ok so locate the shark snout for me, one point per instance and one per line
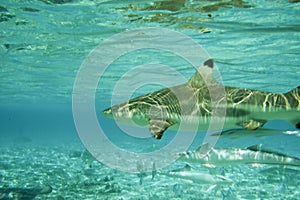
(107, 112)
(119, 111)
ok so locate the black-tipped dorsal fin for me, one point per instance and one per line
(209, 63)
(203, 75)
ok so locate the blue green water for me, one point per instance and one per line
(255, 45)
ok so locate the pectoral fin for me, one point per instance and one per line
(252, 124)
(157, 127)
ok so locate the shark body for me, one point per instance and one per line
(200, 177)
(238, 133)
(250, 109)
(251, 155)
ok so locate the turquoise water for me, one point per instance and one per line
(255, 45)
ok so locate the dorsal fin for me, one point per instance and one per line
(209, 63)
(204, 147)
(256, 147)
(202, 75)
(187, 167)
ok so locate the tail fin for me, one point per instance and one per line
(294, 96)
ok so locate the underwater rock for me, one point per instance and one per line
(23, 193)
(294, 1)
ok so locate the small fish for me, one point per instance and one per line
(154, 171)
(200, 177)
(251, 155)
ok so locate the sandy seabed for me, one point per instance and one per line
(73, 174)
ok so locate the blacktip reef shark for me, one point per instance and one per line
(237, 133)
(247, 108)
(190, 175)
(251, 155)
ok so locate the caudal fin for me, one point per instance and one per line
(293, 97)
